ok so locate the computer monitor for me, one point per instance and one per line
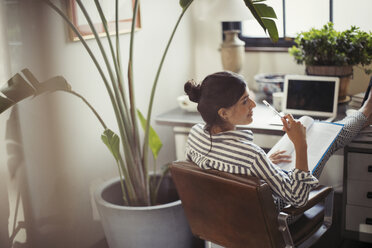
(315, 96)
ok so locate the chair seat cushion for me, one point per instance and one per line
(307, 224)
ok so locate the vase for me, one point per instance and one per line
(158, 226)
(232, 51)
(343, 72)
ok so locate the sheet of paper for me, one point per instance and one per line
(285, 143)
(319, 137)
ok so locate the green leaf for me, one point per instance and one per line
(112, 141)
(260, 10)
(265, 11)
(185, 3)
(154, 140)
(5, 103)
(17, 88)
(30, 77)
(53, 84)
(271, 28)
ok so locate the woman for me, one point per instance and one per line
(224, 102)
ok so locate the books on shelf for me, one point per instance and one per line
(356, 100)
(320, 135)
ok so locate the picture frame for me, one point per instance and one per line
(125, 18)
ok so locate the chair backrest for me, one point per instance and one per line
(227, 209)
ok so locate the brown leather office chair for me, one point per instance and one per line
(238, 211)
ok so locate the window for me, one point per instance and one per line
(295, 16)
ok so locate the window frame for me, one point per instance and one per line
(265, 44)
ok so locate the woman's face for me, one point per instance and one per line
(241, 113)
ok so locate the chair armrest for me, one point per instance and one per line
(316, 195)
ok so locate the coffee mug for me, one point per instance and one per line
(277, 100)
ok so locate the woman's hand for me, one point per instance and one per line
(297, 134)
(279, 157)
(295, 131)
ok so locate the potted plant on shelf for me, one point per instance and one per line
(135, 190)
(328, 52)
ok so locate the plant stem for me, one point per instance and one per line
(142, 169)
(130, 72)
(117, 70)
(117, 32)
(147, 129)
(89, 105)
(74, 29)
(156, 190)
(122, 185)
(118, 44)
(120, 163)
(117, 41)
(108, 88)
(153, 185)
(128, 180)
(129, 149)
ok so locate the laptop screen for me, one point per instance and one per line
(315, 96)
(310, 95)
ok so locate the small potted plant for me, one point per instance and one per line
(328, 52)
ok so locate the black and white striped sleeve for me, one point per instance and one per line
(293, 187)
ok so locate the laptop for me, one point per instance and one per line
(314, 96)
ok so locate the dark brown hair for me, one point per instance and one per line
(218, 90)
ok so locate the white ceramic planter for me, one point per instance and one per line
(232, 51)
(157, 226)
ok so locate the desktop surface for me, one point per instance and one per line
(264, 119)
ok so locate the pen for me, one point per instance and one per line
(272, 108)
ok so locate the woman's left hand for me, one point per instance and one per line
(279, 157)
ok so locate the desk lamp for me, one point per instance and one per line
(232, 48)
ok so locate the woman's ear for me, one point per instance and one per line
(222, 112)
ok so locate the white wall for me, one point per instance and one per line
(65, 158)
(208, 38)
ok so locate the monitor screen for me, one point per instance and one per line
(310, 95)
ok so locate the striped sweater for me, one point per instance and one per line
(235, 152)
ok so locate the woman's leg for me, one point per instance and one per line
(352, 126)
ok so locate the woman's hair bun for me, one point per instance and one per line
(192, 90)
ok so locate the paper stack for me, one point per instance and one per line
(356, 100)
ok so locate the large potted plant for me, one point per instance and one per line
(131, 213)
(328, 52)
